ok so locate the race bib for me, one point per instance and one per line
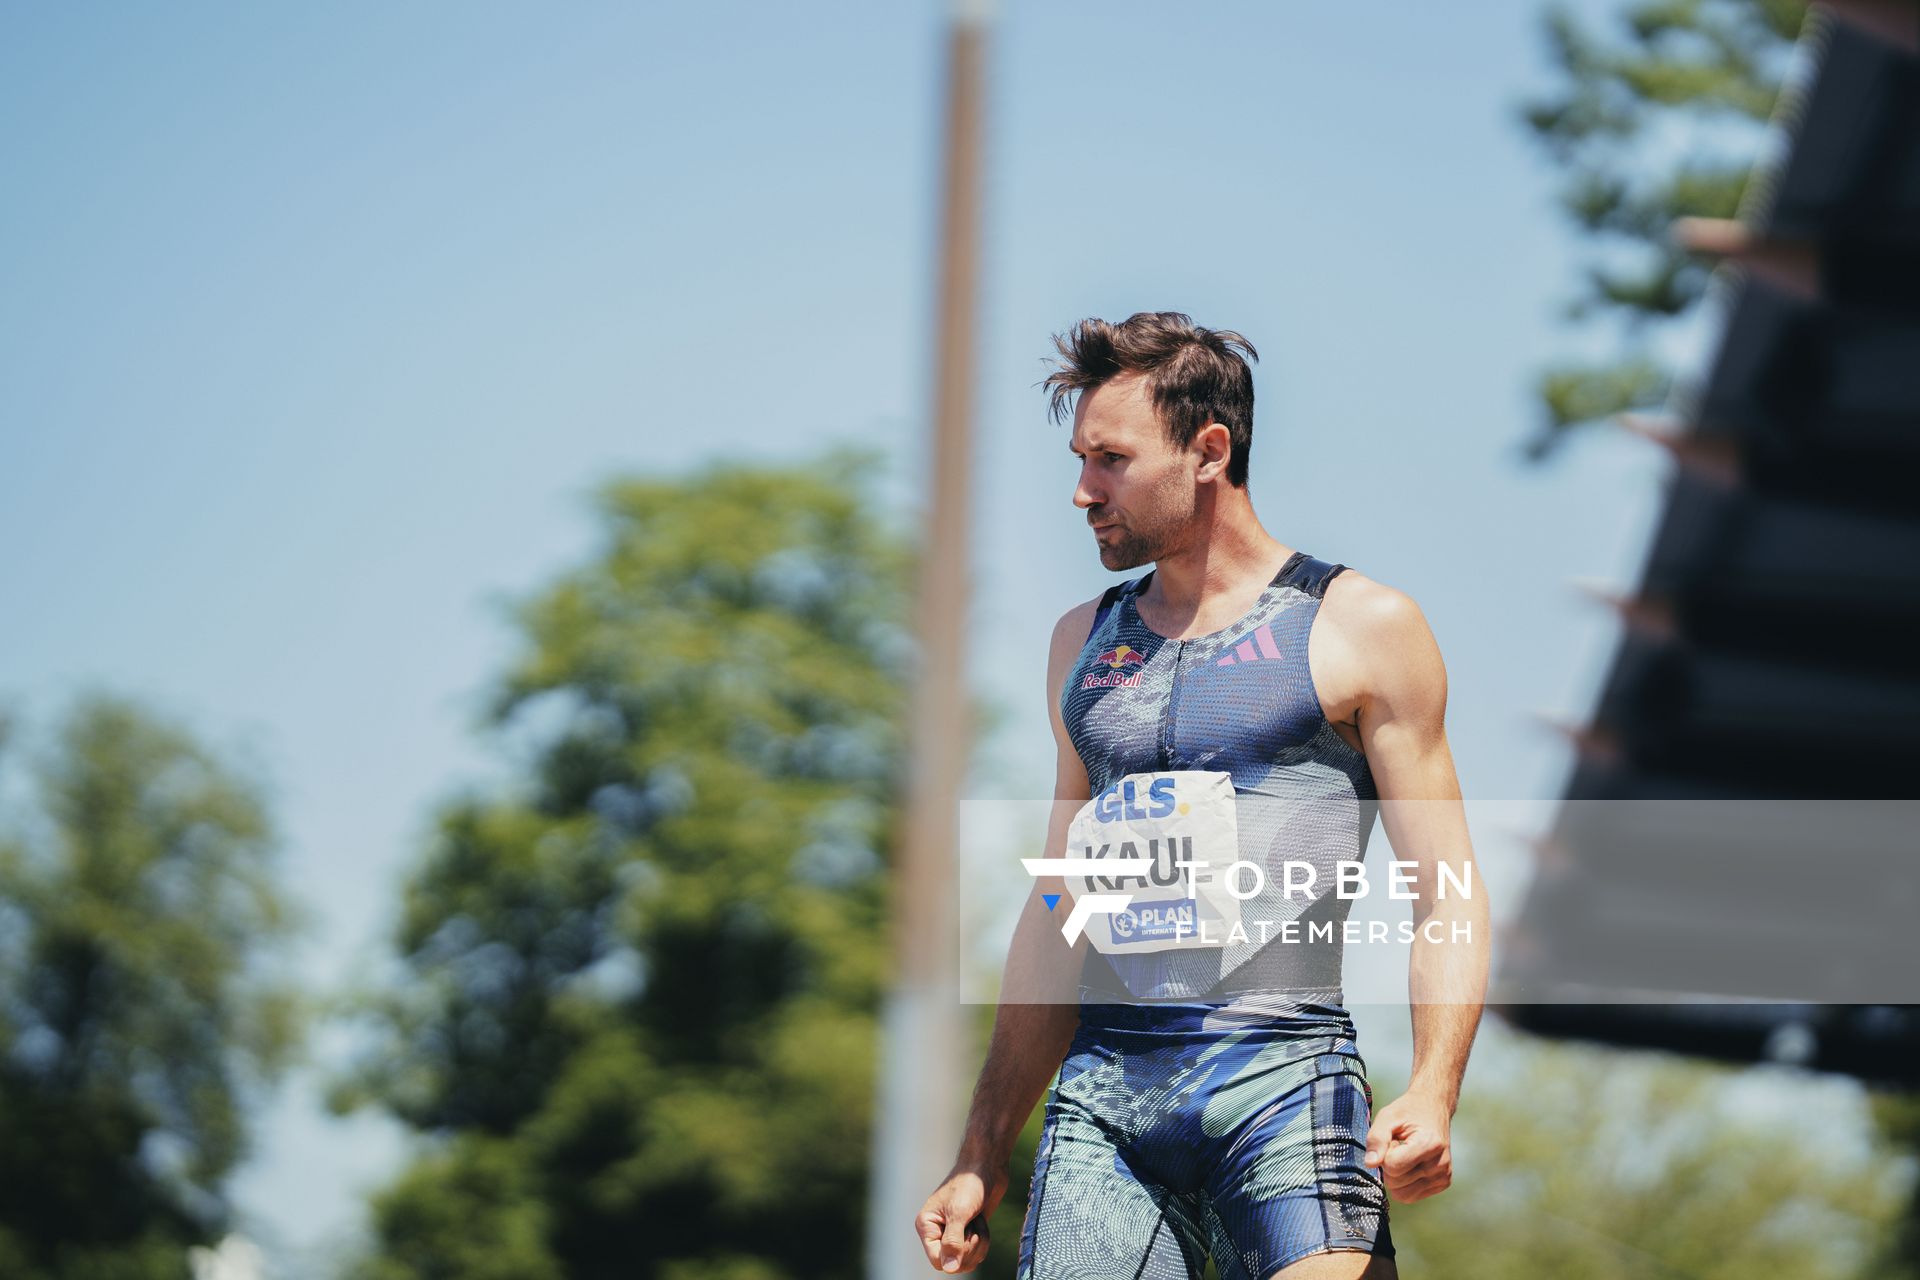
(1148, 825)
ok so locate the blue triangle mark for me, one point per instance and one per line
(1051, 899)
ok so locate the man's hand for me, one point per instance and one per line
(953, 1221)
(1409, 1140)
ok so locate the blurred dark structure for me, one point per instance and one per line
(1772, 648)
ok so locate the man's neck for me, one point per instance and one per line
(1231, 560)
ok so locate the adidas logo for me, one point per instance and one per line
(1255, 648)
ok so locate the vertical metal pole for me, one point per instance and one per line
(926, 1057)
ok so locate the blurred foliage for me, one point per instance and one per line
(636, 1019)
(1898, 1117)
(1578, 1161)
(1659, 123)
(138, 920)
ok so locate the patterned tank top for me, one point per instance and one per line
(1240, 700)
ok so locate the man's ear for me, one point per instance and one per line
(1215, 444)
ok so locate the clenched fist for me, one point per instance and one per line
(953, 1222)
(1409, 1141)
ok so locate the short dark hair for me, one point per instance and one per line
(1194, 375)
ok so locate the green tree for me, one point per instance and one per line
(139, 928)
(1662, 122)
(1575, 1161)
(1897, 1114)
(637, 1021)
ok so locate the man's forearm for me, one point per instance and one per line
(1447, 983)
(1032, 1028)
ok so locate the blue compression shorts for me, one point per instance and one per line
(1179, 1130)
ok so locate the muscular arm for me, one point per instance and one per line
(1402, 729)
(1037, 1012)
(1039, 988)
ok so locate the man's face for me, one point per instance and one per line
(1138, 490)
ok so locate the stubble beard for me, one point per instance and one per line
(1133, 546)
(1128, 550)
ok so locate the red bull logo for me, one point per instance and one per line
(1116, 660)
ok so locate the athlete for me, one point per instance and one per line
(1211, 1100)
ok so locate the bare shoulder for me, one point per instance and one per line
(1076, 622)
(1069, 635)
(1372, 612)
(1381, 644)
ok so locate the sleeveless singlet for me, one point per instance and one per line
(1239, 700)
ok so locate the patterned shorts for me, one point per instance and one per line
(1175, 1130)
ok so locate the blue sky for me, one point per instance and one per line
(318, 323)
